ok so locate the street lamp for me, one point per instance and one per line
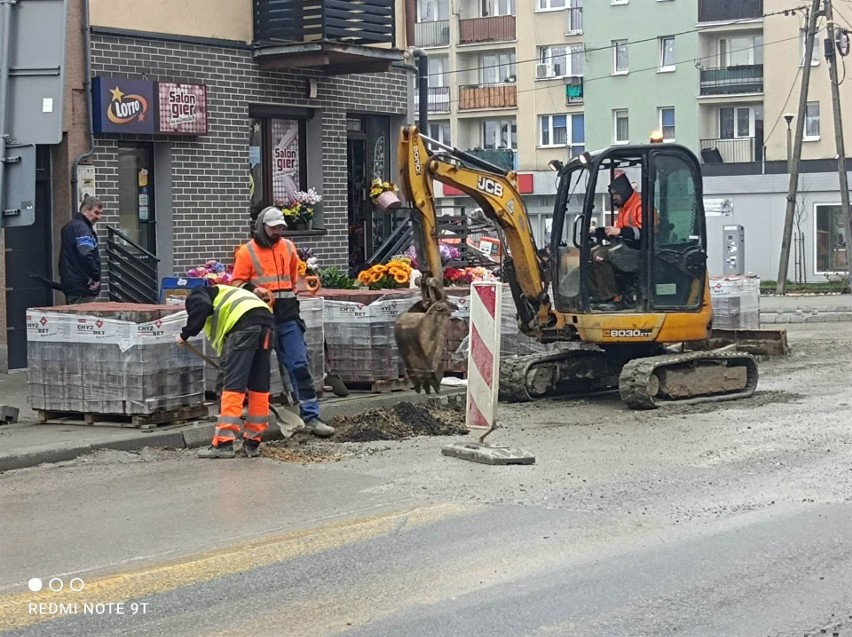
(788, 117)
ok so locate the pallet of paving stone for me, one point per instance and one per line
(140, 421)
(384, 386)
(116, 359)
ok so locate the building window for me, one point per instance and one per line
(741, 51)
(497, 67)
(619, 57)
(575, 17)
(830, 246)
(803, 47)
(738, 123)
(667, 123)
(439, 131)
(620, 127)
(277, 152)
(499, 133)
(433, 10)
(563, 130)
(812, 121)
(553, 61)
(619, 1)
(497, 7)
(667, 53)
(546, 5)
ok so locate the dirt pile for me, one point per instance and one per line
(401, 421)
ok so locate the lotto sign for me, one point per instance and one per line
(483, 364)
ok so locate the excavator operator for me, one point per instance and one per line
(628, 225)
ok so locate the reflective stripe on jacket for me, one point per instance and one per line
(229, 306)
(269, 267)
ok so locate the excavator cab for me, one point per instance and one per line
(664, 270)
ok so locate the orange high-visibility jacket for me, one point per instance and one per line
(275, 268)
(631, 212)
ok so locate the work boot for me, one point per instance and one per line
(252, 448)
(318, 428)
(222, 451)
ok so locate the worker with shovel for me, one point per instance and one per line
(240, 327)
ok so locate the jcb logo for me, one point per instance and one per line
(490, 186)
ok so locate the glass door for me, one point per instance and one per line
(137, 218)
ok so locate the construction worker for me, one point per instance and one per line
(268, 265)
(240, 327)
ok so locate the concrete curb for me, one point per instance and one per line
(200, 433)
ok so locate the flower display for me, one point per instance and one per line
(301, 208)
(308, 263)
(215, 271)
(396, 273)
(466, 276)
(448, 253)
(377, 187)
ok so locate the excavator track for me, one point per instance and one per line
(644, 382)
(525, 378)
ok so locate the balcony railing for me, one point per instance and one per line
(731, 151)
(349, 21)
(487, 96)
(439, 99)
(432, 33)
(734, 79)
(722, 10)
(494, 29)
(574, 90)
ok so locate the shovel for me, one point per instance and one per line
(288, 422)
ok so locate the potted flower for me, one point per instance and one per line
(299, 213)
(396, 273)
(383, 194)
(309, 269)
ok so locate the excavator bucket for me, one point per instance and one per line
(421, 336)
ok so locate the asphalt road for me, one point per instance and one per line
(727, 519)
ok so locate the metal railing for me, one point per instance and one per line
(731, 151)
(439, 99)
(574, 90)
(349, 21)
(132, 270)
(473, 96)
(452, 228)
(435, 33)
(733, 79)
(721, 10)
(493, 29)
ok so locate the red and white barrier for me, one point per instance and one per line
(483, 364)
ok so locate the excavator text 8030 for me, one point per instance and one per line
(617, 289)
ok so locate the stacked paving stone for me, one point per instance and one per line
(736, 302)
(110, 358)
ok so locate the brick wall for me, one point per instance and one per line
(210, 174)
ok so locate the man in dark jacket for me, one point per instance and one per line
(79, 259)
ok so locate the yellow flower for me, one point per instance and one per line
(303, 268)
(401, 278)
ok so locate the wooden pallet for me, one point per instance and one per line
(380, 386)
(136, 421)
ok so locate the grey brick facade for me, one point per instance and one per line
(209, 174)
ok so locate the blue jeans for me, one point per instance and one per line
(293, 360)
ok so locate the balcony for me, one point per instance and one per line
(439, 99)
(333, 36)
(480, 96)
(479, 30)
(432, 33)
(725, 10)
(731, 151)
(574, 90)
(732, 80)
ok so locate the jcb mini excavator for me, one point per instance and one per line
(662, 279)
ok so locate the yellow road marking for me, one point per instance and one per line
(14, 608)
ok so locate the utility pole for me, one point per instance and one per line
(831, 57)
(787, 236)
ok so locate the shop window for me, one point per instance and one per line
(830, 239)
(277, 160)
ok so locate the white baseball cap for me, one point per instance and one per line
(272, 216)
